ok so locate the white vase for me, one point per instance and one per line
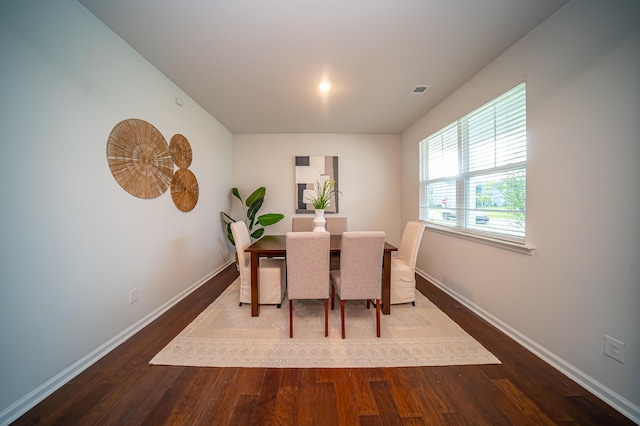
(319, 221)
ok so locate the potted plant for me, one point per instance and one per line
(250, 208)
(324, 193)
(321, 200)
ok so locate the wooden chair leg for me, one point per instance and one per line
(368, 303)
(290, 319)
(342, 315)
(333, 295)
(378, 316)
(326, 317)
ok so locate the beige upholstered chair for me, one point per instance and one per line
(403, 267)
(308, 271)
(302, 224)
(360, 273)
(272, 279)
(335, 225)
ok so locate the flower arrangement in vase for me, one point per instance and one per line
(321, 200)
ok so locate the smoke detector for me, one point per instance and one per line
(418, 91)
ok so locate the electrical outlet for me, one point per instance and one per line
(133, 295)
(614, 348)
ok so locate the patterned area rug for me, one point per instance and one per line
(225, 335)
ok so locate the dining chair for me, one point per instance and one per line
(335, 225)
(272, 272)
(308, 271)
(403, 267)
(360, 273)
(302, 224)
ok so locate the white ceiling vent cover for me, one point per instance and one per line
(418, 91)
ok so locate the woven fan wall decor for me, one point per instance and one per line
(180, 151)
(139, 158)
(184, 186)
(184, 190)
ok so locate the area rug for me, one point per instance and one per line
(225, 335)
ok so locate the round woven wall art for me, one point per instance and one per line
(180, 151)
(184, 190)
(139, 158)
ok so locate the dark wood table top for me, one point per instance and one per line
(276, 245)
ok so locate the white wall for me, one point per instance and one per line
(368, 167)
(72, 241)
(582, 68)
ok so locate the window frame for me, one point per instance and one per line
(466, 225)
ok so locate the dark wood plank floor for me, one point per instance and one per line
(123, 389)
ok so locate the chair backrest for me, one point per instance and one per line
(361, 264)
(242, 240)
(410, 242)
(336, 225)
(308, 265)
(302, 224)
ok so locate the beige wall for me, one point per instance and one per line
(583, 281)
(369, 175)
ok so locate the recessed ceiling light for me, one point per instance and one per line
(325, 86)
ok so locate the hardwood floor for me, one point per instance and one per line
(123, 389)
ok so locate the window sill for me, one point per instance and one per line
(482, 239)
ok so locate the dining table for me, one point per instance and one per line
(276, 246)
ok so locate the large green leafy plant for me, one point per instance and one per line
(250, 208)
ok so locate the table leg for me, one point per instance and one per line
(255, 296)
(386, 283)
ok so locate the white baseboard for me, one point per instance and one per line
(24, 404)
(618, 402)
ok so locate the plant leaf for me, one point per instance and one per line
(258, 194)
(230, 234)
(251, 218)
(228, 217)
(270, 218)
(253, 210)
(257, 233)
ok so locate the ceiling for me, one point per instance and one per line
(256, 65)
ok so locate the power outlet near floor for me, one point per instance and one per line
(614, 348)
(133, 295)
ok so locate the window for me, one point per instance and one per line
(473, 172)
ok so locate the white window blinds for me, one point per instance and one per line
(473, 172)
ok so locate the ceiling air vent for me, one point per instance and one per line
(418, 91)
